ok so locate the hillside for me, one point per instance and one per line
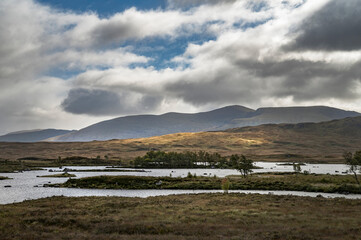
(142, 126)
(294, 115)
(32, 135)
(309, 142)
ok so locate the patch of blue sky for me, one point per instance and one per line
(63, 73)
(103, 8)
(258, 6)
(162, 50)
(246, 25)
(286, 2)
(66, 73)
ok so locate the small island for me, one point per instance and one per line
(61, 175)
(261, 181)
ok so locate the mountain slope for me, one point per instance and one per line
(142, 126)
(306, 142)
(347, 128)
(32, 135)
(154, 125)
(293, 115)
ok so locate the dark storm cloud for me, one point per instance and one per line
(224, 85)
(112, 31)
(92, 102)
(100, 102)
(250, 80)
(337, 26)
(305, 80)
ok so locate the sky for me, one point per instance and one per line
(67, 64)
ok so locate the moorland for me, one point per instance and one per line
(203, 216)
(261, 181)
(322, 142)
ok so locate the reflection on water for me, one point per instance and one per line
(26, 185)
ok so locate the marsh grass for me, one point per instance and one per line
(8, 166)
(203, 216)
(287, 182)
(34, 163)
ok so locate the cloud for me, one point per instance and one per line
(335, 27)
(101, 102)
(71, 69)
(244, 66)
(131, 24)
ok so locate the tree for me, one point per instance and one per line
(354, 163)
(233, 160)
(242, 164)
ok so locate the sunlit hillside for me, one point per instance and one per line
(311, 142)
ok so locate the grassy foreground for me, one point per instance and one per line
(204, 216)
(284, 181)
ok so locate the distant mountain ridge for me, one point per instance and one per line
(303, 142)
(32, 135)
(142, 126)
(277, 115)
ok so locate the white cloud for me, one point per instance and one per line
(246, 63)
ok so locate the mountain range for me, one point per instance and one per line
(143, 126)
(304, 142)
(32, 135)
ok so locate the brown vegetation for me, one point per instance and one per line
(284, 181)
(205, 216)
(324, 142)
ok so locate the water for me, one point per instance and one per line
(23, 184)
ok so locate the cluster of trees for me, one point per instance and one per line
(242, 164)
(201, 159)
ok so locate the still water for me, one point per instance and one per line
(26, 185)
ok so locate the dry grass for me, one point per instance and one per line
(205, 216)
(262, 143)
(289, 182)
